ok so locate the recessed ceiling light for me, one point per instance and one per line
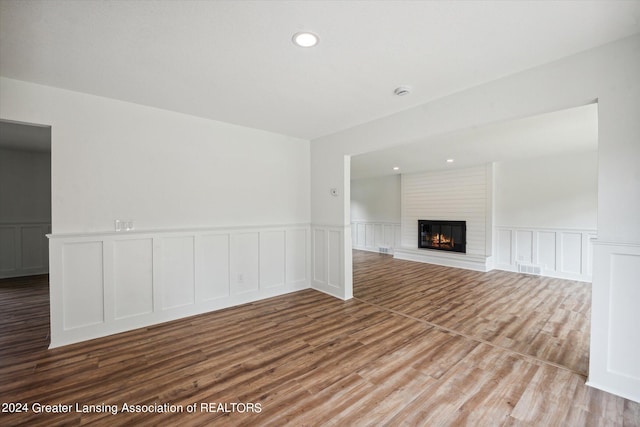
(396, 168)
(449, 160)
(305, 39)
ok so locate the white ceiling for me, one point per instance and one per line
(234, 61)
(571, 130)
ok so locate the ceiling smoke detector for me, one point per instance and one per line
(402, 90)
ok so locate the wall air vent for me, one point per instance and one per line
(529, 269)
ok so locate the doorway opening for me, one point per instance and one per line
(25, 199)
(538, 206)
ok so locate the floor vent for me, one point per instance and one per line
(529, 269)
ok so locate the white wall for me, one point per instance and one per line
(375, 213)
(548, 192)
(117, 160)
(25, 212)
(221, 212)
(376, 199)
(546, 215)
(609, 74)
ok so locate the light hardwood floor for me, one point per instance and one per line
(542, 317)
(414, 347)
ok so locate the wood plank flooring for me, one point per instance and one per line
(382, 358)
(542, 317)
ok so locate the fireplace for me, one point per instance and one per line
(442, 235)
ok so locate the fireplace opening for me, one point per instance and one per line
(442, 235)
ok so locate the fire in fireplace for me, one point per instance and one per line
(442, 235)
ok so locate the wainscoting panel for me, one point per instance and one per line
(329, 246)
(571, 244)
(547, 250)
(212, 267)
(370, 234)
(503, 247)
(320, 255)
(561, 253)
(334, 258)
(24, 249)
(296, 256)
(624, 296)
(245, 270)
(8, 251)
(178, 276)
(83, 289)
(103, 284)
(524, 246)
(376, 236)
(615, 336)
(378, 233)
(358, 229)
(272, 259)
(391, 236)
(33, 251)
(132, 277)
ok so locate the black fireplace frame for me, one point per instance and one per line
(457, 247)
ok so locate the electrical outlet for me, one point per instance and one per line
(121, 225)
(240, 278)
